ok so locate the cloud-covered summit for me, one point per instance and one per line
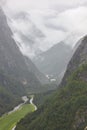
(54, 20)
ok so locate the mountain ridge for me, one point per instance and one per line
(79, 58)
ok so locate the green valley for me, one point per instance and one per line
(8, 121)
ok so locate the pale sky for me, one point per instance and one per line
(56, 19)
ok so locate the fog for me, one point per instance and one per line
(55, 20)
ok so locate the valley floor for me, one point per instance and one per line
(9, 121)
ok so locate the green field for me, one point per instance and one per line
(7, 122)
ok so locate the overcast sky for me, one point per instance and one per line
(56, 19)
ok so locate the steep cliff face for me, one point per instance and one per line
(12, 62)
(79, 58)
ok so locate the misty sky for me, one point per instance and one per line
(56, 20)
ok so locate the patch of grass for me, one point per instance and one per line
(7, 122)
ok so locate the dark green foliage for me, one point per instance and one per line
(65, 110)
(40, 98)
(42, 88)
(10, 93)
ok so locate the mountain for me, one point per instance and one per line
(54, 61)
(12, 62)
(31, 67)
(15, 76)
(26, 33)
(66, 109)
(11, 92)
(79, 57)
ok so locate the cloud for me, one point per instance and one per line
(3, 2)
(44, 4)
(56, 20)
(72, 19)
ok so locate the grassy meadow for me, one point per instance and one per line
(7, 122)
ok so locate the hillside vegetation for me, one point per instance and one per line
(65, 110)
(11, 92)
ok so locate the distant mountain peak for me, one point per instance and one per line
(53, 62)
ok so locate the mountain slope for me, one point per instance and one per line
(26, 33)
(79, 57)
(67, 108)
(31, 67)
(54, 61)
(12, 62)
(11, 92)
(15, 76)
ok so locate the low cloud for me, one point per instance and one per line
(56, 20)
(3, 2)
